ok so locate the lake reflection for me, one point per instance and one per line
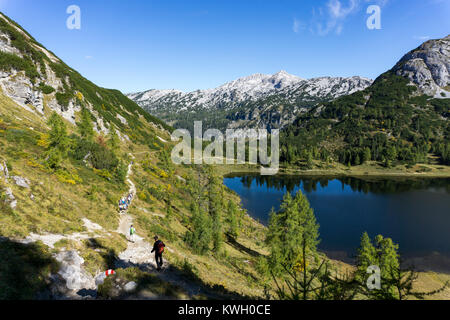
(415, 213)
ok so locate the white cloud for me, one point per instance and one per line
(88, 57)
(298, 25)
(331, 17)
(337, 11)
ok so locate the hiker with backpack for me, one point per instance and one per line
(132, 233)
(158, 248)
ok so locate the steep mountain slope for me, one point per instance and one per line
(69, 151)
(428, 67)
(256, 101)
(402, 118)
(38, 81)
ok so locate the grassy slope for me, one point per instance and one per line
(58, 207)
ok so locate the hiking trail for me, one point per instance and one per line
(138, 254)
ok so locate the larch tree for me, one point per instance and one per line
(293, 232)
(85, 126)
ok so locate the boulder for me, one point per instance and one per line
(72, 272)
(12, 200)
(4, 170)
(22, 182)
(100, 278)
(130, 286)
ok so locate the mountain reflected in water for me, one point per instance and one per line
(414, 212)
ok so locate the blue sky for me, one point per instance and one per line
(136, 45)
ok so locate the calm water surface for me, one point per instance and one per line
(415, 213)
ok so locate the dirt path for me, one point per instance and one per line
(138, 254)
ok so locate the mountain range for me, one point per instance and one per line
(256, 101)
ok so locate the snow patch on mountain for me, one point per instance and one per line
(263, 98)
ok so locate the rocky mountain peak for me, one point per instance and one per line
(428, 67)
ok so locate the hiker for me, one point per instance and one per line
(132, 233)
(158, 248)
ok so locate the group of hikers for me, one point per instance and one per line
(158, 247)
(125, 202)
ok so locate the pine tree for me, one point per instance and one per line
(367, 256)
(387, 252)
(293, 231)
(199, 238)
(357, 160)
(113, 140)
(85, 126)
(232, 219)
(58, 142)
(367, 155)
(309, 160)
(215, 207)
(384, 254)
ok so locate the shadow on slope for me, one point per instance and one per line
(172, 282)
(24, 270)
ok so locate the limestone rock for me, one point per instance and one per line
(11, 199)
(428, 67)
(22, 182)
(130, 286)
(72, 272)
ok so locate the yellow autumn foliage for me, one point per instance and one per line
(44, 140)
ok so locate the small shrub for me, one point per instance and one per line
(45, 88)
(142, 196)
(103, 173)
(67, 177)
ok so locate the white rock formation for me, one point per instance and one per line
(72, 272)
(22, 182)
(11, 199)
(130, 286)
(428, 67)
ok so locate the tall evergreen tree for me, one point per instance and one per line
(367, 256)
(215, 207)
(85, 126)
(384, 255)
(199, 238)
(232, 219)
(293, 232)
(367, 155)
(113, 140)
(58, 142)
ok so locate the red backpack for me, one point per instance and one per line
(161, 246)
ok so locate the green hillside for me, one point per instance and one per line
(390, 123)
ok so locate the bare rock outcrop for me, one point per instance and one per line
(428, 67)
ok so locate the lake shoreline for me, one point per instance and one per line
(357, 172)
(433, 262)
